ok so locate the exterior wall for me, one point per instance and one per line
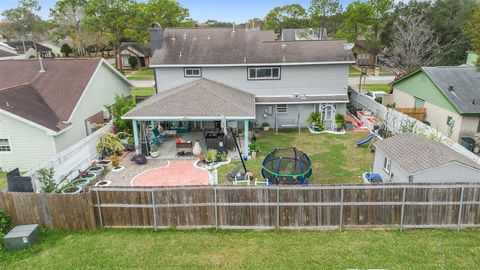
(469, 126)
(396, 174)
(100, 92)
(30, 146)
(307, 79)
(454, 172)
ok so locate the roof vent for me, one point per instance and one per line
(209, 37)
(184, 36)
(194, 37)
(233, 28)
(180, 55)
(244, 59)
(284, 59)
(451, 88)
(173, 38)
(473, 102)
(284, 46)
(8, 104)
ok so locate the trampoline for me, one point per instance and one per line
(288, 166)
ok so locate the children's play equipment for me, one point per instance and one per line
(370, 138)
(287, 166)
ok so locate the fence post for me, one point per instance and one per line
(341, 211)
(215, 205)
(99, 207)
(46, 213)
(278, 206)
(403, 209)
(460, 209)
(154, 209)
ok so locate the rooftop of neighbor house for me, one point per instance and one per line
(413, 153)
(199, 98)
(18, 45)
(143, 48)
(5, 53)
(25, 91)
(228, 46)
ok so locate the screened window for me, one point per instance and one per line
(282, 108)
(387, 164)
(5, 145)
(193, 72)
(264, 73)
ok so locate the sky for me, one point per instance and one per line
(201, 10)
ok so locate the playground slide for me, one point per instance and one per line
(366, 140)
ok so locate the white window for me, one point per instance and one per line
(5, 145)
(264, 73)
(387, 164)
(282, 108)
(193, 72)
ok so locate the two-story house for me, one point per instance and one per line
(276, 82)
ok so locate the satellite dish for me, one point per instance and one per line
(349, 46)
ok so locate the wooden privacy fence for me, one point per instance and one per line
(417, 113)
(59, 211)
(290, 207)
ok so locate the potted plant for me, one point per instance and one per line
(116, 164)
(210, 156)
(266, 126)
(96, 169)
(86, 176)
(254, 149)
(124, 137)
(103, 183)
(340, 121)
(154, 151)
(71, 189)
(109, 144)
(315, 118)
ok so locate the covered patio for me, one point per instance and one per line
(202, 110)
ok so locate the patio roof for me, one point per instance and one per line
(201, 99)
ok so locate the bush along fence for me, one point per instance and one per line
(228, 207)
(397, 122)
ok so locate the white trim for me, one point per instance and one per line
(298, 102)
(26, 121)
(254, 64)
(186, 118)
(102, 61)
(388, 166)
(278, 77)
(192, 69)
(315, 95)
(9, 145)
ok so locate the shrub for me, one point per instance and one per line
(340, 120)
(265, 124)
(5, 223)
(109, 144)
(121, 106)
(211, 155)
(133, 61)
(66, 50)
(254, 146)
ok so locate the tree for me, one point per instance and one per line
(414, 44)
(322, 10)
(381, 9)
(121, 106)
(359, 16)
(289, 16)
(66, 50)
(133, 61)
(474, 33)
(112, 17)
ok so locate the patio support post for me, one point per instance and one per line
(245, 133)
(135, 137)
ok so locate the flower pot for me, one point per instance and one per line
(154, 154)
(118, 169)
(103, 183)
(72, 190)
(267, 128)
(124, 141)
(97, 170)
(104, 163)
(197, 149)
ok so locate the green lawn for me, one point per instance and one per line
(141, 75)
(210, 249)
(335, 158)
(3, 180)
(355, 71)
(376, 87)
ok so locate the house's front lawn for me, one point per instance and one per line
(210, 249)
(141, 75)
(3, 180)
(335, 158)
(376, 87)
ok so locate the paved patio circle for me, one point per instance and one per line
(176, 173)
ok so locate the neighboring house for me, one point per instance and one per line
(45, 112)
(409, 158)
(451, 96)
(289, 80)
(141, 51)
(366, 53)
(7, 52)
(304, 34)
(28, 46)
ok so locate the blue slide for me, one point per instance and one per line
(366, 140)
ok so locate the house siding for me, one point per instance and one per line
(449, 173)
(396, 174)
(99, 93)
(306, 79)
(30, 145)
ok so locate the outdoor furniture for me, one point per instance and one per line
(237, 177)
(215, 139)
(183, 147)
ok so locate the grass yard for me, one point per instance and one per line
(355, 71)
(141, 75)
(3, 180)
(335, 158)
(210, 249)
(376, 87)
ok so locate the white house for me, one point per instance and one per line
(43, 112)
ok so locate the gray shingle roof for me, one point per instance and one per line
(201, 46)
(199, 98)
(413, 153)
(140, 47)
(466, 85)
(306, 99)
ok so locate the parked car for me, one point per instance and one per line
(375, 94)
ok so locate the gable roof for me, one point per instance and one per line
(367, 45)
(47, 99)
(18, 45)
(413, 153)
(222, 46)
(198, 99)
(4, 53)
(465, 80)
(142, 48)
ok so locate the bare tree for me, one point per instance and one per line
(414, 44)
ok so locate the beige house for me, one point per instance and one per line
(451, 96)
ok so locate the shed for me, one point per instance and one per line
(409, 158)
